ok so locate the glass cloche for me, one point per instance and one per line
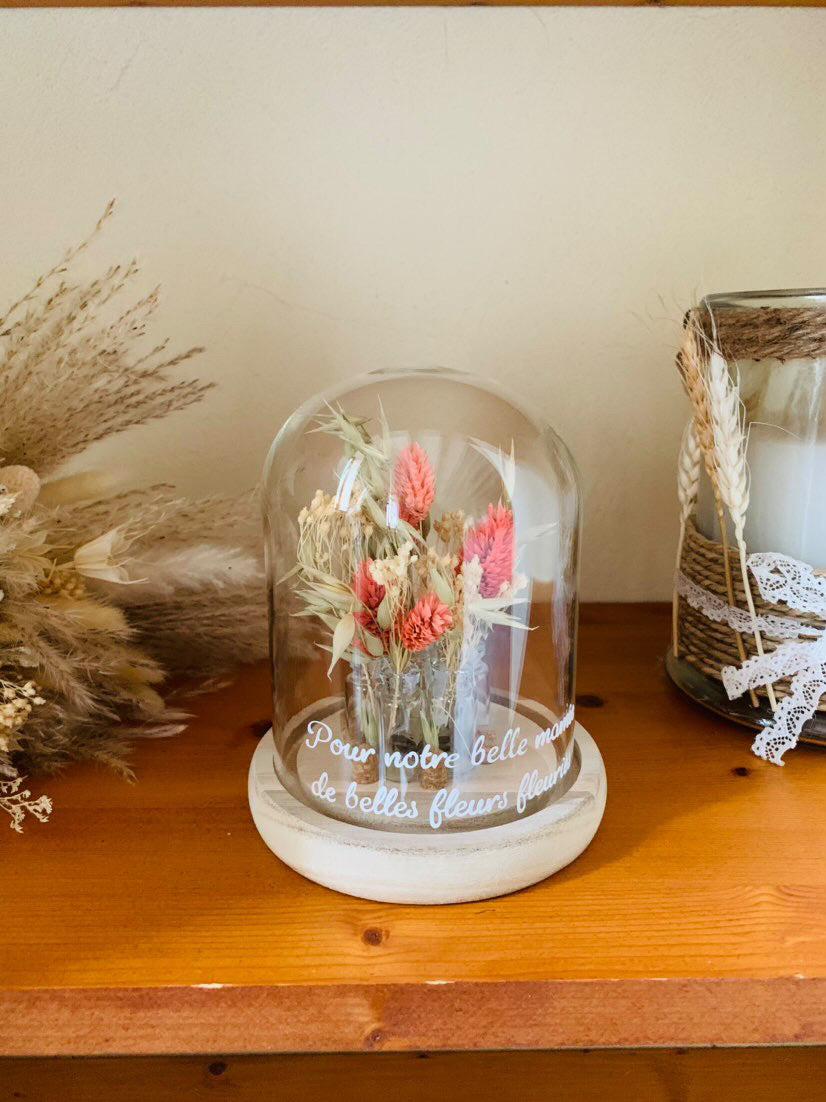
(422, 537)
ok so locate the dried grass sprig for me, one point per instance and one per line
(70, 377)
(71, 254)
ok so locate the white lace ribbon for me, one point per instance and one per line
(781, 579)
(716, 609)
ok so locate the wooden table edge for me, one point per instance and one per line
(461, 1016)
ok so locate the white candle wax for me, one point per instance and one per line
(787, 500)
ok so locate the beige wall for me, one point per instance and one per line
(534, 194)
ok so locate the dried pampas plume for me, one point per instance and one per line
(101, 597)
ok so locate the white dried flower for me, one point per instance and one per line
(17, 802)
(17, 704)
(378, 571)
(472, 577)
(99, 557)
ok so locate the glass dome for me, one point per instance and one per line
(422, 534)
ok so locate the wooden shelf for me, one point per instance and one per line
(409, 3)
(151, 919)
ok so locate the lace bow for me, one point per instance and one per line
(782, 579)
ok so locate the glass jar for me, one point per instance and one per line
(403, 714)
(774, 345)
(422, 535)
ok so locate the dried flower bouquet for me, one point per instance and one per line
(101, 596)
(408, 597)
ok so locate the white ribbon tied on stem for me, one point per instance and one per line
(783, 579)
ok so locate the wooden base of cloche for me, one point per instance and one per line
(454, 867)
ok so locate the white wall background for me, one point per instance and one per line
(533, 194)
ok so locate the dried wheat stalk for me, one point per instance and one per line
(732, 471)
(688, 483)
(691, 366)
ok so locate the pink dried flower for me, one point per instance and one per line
(365, 586)
(491, 541)
(415, 484)
(426, 623)
(371, 595)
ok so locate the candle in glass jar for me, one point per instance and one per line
(787, 496)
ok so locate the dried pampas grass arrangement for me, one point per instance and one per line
(102, 597)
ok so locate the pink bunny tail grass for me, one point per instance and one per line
(415, 484)
(492, 543)
(370, 594)
(365, 586)
(426, 623)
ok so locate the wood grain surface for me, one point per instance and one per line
(408, 3)
(150, 918)
(598, 1075)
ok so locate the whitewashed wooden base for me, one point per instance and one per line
(429, 868)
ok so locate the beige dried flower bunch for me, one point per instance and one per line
(102, 597)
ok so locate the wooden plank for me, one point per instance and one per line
(648, 1075)
(697, 915)
(375, 1017)
(408, 3)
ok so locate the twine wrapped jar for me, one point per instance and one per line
(749, 599)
